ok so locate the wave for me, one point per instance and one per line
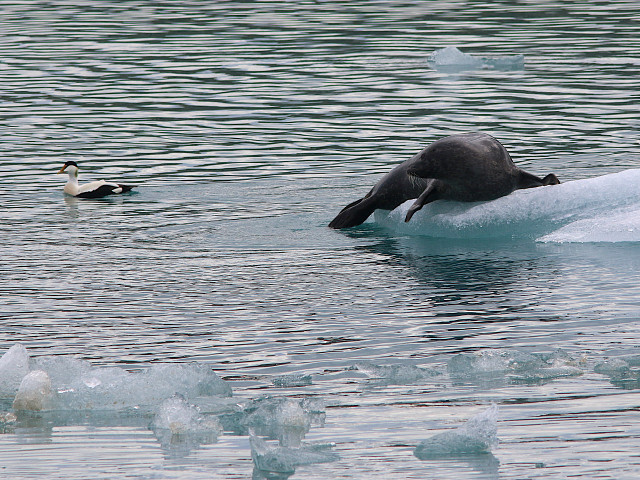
(599, 209)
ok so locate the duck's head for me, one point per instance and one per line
(70, 167)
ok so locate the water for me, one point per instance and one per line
(248, 126)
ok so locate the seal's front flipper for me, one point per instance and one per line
(427, 196)
(355, 213)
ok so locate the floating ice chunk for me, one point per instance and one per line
(613, 367)
(513, 365)
(180, 417)
(14, 365)
(451, 59)
(285, 419)
(78, 385)
(535, 213)
(34, 392)
(401, 374)
(284, 460)
(477, 436)
(292, 380)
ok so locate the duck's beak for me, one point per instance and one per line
(62, 169)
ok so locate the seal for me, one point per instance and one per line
(468, 167)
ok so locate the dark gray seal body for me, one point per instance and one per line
(469, 167)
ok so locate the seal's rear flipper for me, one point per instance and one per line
(528, 180)
(354, 214)
(550, 179)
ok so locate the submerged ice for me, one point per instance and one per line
(600, 209)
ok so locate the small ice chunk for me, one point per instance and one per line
(477, 436)
(180, 417)
(401, 374)
(513, 365)
(292, 380)
(34, 392)
(14, 365)
(613, 367)
(285, 419)
(284, 460)
(453, 57)
(453, 60)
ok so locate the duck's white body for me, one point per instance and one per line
(97, 189)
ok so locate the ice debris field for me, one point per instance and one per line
(188, 405)
(600, 209)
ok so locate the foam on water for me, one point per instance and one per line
(600, 209)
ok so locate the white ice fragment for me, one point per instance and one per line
(284, 460)
(400, 374)
(613, 367)
(451, 59)
(34, 392)
(292, 380)
(513, 365)
(477, 436)
(180, 417)
(286, 419)
(14, 365)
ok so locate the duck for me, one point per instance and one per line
(97, 189)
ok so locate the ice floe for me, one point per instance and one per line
(451, 59)
(513, 365)
(400, 374)
(476, 437)
(599, 209)
(285, 419)
(292, 380)
(284, 460)
(68, 383)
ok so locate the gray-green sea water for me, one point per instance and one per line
(247, 127)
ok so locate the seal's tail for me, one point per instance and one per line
(354, 214)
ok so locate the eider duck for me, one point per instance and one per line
(96, 189)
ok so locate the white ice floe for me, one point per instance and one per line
(599, 209)
(478, 436)
(451, 59)
(76, 385)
